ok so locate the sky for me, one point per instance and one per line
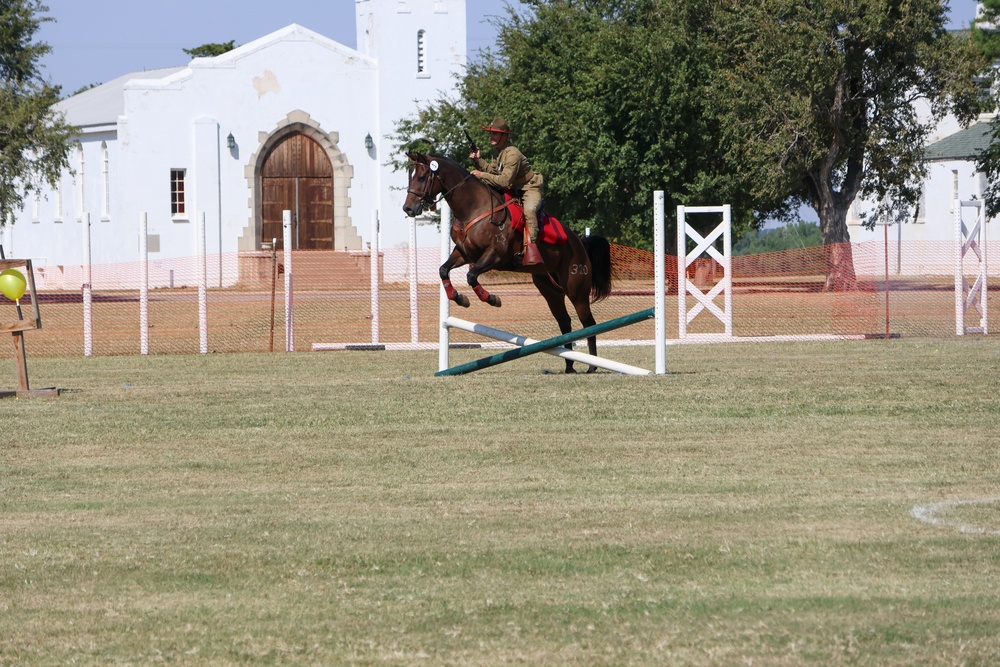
(94, 41)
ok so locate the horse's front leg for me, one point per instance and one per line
(456, 259)
(488, 261)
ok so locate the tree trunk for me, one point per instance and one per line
(840, 274)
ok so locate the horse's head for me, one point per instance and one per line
(424, 184)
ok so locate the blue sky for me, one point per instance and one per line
(94, 41)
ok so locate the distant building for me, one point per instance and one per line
(951, 154)
(292, 120)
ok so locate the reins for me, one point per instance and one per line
(462, 231)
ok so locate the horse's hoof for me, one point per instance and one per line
(570, 370)
(592, 369)
(494, 300)
(462, 300)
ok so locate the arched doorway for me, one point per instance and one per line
(297, 176)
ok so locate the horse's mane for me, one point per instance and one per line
(448, 160)
(463, 172)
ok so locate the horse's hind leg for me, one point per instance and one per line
(556, 301)
(578, 292)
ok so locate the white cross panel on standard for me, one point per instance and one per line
(966, 297)
(704, 245)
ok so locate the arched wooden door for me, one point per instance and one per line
(297, 176)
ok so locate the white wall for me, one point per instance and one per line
(181, 121)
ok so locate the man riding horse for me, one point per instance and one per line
(510, 170)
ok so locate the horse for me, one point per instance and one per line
(484, 236)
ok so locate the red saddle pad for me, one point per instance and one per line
(550, 230)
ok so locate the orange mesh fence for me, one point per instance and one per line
(773, 294)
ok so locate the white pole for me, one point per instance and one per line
(202, 288)
(373, 271)
(444, 309)
(959, 275)
(143, 284)
(88, 312)
(414, 319)
(659, 283)
(984, 273)
(286, 228)
(681, 274)
(727, 257)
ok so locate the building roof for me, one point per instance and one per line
(103, 104)
(964, 145)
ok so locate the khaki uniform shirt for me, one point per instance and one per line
(510, 170)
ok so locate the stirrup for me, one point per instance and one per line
(531, 255)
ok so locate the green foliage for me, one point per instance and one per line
(34, 140)
(799, 234)
(604, 97)
(988, 40)
(210, 50)
(84, 88)
(818, 98)
(983, 32)
(765, 105)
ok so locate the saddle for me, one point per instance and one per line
(550, 230)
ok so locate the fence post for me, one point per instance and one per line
(444, 308)
(373, 249)
(88, 311)
(286, 227)
(202, 288)
(143, 284)
(414, 311)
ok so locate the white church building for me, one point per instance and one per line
(290, 121)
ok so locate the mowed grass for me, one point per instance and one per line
(753, 507)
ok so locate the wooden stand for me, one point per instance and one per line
(17, 328)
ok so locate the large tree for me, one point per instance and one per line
(34, 140)
(764, 104)
(987, 36)
(827, 100)
(605, 97)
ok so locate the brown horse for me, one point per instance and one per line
(486, 240)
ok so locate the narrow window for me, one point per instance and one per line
(954, 184)
(421, 52)
(36, 207)
(177, 193)
(59, 200)
(921, 215)
(105, 182)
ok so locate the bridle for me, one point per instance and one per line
(426, 197)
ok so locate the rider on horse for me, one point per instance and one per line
(510, 171)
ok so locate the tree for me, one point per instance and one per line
(605, 98)
(211, 49)
(799, 234)
(984, 31)
(34, 139)
(819, 102)
(987, 37)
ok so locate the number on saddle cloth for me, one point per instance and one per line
(550, 230)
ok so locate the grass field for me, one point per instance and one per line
(753, 507)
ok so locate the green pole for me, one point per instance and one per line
(548, 343)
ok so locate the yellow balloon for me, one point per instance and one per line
(13, 284)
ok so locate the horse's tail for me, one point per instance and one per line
(599, 251)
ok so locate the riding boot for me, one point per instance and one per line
(531, 254)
